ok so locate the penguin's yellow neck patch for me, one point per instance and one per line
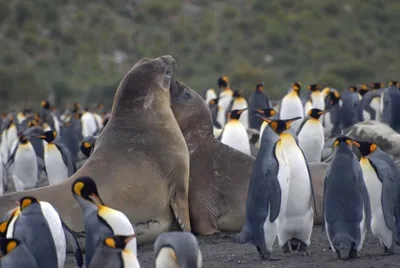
(234, 121)
(240, 99)
(314, 120)
(78, 188)
(287, 138)
(26, 203)
(11, 246)
(293, 94)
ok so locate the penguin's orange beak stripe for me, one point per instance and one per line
(41, 136)
(355, 143)
(130, 238)
(321, 112)
(95, 196)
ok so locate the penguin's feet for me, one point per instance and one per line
(303, 249)
(295, 244)
(353, 254)
(388, 251)
(287, 248)
(264, 254)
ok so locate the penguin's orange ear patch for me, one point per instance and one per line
(335, 144)
(274, 125)
(110, 242)
(11, 246)
(372, 148)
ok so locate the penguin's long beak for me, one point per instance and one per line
(41, 136)
(321, 113)
(97, 198)
(129, 238)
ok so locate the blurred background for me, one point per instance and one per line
(74, 50)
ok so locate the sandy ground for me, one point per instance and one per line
(221, 251)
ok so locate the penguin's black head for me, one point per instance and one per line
(266, 112)
(235, 114)
(87, 145)
(118, 241)
(26, 201)
(296, 86)
(237, 93)
(260, 87)
(213, 102)
(23, 139)
(223, 82)
(363, 89)
(366, 148)
(394, 83)
(86, 188)
(313, 87)
(352, 88)
(315, 113)
(48, 136)
(8, 244)
(280, 126)
(376, 85)
(345, 139)
(45, 104)
(334, 97)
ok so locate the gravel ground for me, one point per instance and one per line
(222, 251)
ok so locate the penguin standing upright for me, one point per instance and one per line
(235, 134)
(268, 191)
(25, 165)
(226, 94)
(4, 146)
(209, 94)
(390, 103)
(89, 125)
(100, 221)
(269, 112)
(382, 179)
(177, 249)
(39, 226)
(112, 253)
(12, 134)
(346, 205)
(316, 97)
(292, 106)
(59, 163)
(349, 110)
(331, 119)
(311, 136)
(15, 254)
(298, 219)
(257, 100)
(240, 103)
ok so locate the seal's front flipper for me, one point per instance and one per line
(180, 207)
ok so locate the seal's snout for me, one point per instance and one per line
(170, 61)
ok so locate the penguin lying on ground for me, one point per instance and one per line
(383, 183)
(346, 205)
(112, 252)
(100, 221)
(177, 250)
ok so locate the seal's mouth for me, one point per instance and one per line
(179, 92)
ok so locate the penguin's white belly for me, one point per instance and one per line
(57, 231)
(129, 259)
(56, 169)
(328, 126)
(292, 107)
(299, 216)
(2, 169)
(271, 229)
(210, 95)
(221, 116)
(376, 105)
(56, 124)
(89, 126)
(374, 186)
(99, 121)
(120, 225)
(235, 136)
(165, 259)
(4, 146)
(366, 115)
(311, 140)
(307, 107)
(244, 117)
(318, 101)
(25, 168)
(225, 100)
(11, 137)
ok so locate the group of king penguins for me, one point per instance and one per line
(362, 182)
(33, 235)
(44, 147)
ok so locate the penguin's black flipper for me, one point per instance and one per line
(71, 240)
(11, 158)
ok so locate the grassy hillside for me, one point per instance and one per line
(74, 49)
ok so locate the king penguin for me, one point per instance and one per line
(57, 158)
(311, 135)
(15, 254)
(177, 250)
(291, 106)
(12, 134)
(316, 97)
(25, 165)
(209, 94)
(258, 100)
(39, 226)
(112, 253)
(100, 221)
(298, 219)
(226, 94)
(89, 124)
(240, 103)
(331, 119)
(346, 205)
(87, 145)
(269, 112)
(268, 191)
(235, 134)
(382, 179)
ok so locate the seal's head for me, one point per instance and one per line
(145, 86)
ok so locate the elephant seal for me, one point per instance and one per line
(219, 174)
(318, 170)
(141, 161)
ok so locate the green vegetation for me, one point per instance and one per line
(79, 50)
